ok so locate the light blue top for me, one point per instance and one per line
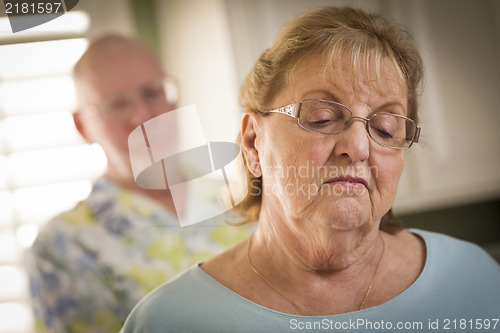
(457, 291)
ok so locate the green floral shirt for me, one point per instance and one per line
(89, 266)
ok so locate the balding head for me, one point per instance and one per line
(113, 63)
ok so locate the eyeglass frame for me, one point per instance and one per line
(168, 83)
(293, 110)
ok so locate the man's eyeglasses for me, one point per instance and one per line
(327, 117)
(159, 97)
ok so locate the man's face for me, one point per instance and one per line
(121, 88)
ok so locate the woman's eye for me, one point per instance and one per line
(386, 126)
(383, 133)
(321, 121)
(322, 117)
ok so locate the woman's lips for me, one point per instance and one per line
(352, 182)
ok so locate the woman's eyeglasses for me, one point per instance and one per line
(327, 117)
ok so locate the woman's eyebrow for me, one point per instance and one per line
(321, 93)
(392, 107)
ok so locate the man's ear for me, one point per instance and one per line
(249, 132)
(77, 119)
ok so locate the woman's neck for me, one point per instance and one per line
(315, 246)
(317, 272)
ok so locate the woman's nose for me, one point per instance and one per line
(353, 142)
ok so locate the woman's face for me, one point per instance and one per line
(343, 181)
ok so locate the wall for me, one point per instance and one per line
(197, 52)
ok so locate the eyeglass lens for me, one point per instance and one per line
(331, 118)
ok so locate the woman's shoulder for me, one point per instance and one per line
(168, 301)
(192, 302)
(458, 272)
(454, 255)
(235, 258)
(439, 241)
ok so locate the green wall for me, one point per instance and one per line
(146, 23)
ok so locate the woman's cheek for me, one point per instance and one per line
(386, 173)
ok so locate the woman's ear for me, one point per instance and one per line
(249, 132)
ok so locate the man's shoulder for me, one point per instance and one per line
(63, 228)
(80, 214)
(90, 212)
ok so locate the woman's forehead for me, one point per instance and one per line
(355, 75)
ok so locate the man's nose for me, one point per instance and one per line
(140, 110)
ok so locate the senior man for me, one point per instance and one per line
(89, 266)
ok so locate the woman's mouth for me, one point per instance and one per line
(347, 181)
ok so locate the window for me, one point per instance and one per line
(44, 165)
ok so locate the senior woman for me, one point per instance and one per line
(331, 108)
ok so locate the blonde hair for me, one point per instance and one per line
(339, 33)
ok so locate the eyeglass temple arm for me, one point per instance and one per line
(290, 110)
(417, 134)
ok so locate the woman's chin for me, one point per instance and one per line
(347, 213)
